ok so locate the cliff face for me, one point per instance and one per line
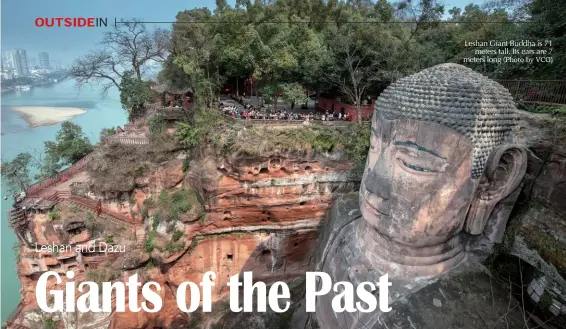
(277, 190)
(231, 214)
(224, 214)
(536, 233)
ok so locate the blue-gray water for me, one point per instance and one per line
(102, 112)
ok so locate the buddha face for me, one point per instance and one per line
(417, 186)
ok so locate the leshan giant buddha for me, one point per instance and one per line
(441, 177)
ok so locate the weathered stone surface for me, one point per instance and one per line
(258, 220)
(545, 182)
(275, 189)
(469, 300)
(440, 162)
(269, 256)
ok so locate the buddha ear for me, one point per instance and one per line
(505, 168)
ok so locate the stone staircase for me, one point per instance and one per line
(16, 217)
(106, 215)
(140, 238)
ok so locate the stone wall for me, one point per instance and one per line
(537, 231)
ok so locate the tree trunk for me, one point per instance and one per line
(359, 109)
(138, 73)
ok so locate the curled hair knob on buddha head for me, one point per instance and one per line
(459, 98)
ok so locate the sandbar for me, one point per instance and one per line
(37, 116)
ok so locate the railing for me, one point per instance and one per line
(80, 165)
(16, 217)
(91, 205)
(292, 122)
(127, 140)
(537, 91)
(80, 188)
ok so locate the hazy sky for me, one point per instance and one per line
(65, 44)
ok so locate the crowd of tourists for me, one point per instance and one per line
(251, 112)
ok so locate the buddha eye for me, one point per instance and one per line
(413, 167)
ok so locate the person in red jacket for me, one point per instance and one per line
(98, 208)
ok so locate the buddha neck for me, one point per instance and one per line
(401, 260)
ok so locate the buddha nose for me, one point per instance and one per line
(378, 180)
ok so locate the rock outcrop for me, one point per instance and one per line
(238, 213)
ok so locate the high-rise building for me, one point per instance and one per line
(17, 59)
(44, 60)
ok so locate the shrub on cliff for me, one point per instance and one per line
(205, 130)
(106, 273)
(150, 241)
(70, 145)
(116, 167)
(16, 172)
(169, 207)
(356, 144)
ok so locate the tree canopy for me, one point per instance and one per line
(352, 49)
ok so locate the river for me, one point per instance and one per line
(102, 112)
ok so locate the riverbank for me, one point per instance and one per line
(36, 116)
(101, 112)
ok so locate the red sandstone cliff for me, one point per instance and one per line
(240, 213)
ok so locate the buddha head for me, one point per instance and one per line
(441, 157)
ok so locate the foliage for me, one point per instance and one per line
(149, 203)
(170, 206)
(50, 323)
(129, 48)
(150, 241)
(203, 131)
(115, 167)
(357, 147)
(172, 246)
(145, 213)
(90, 224)
(177, 235)
(53, 214)
(106, 273)
(105, 132)
(314, 46)
(134, 94)
(556, 110)
(155, 221)
(70, 146)
(16, 172)
(294, 93)
(156, 124)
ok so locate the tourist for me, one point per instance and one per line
(98, 208)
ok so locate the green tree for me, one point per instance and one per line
(294, 93)
(16, 172)
(134, 94)
(192, 48)
(70, 146)
(203, 131)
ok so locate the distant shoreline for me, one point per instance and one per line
(37, 116)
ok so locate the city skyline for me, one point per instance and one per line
(41, 59)
(17, 61)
